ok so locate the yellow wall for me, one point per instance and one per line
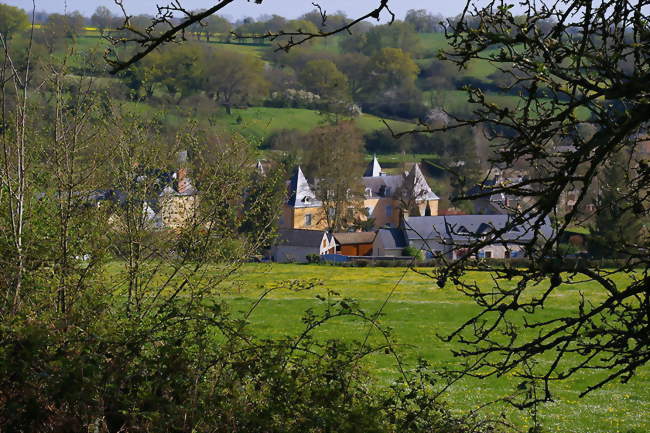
(176, 211)
(379, 211)
(294, 218)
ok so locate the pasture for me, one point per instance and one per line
(418, 312)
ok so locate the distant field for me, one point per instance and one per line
(457, 101)
(418, 312)
(260, 122)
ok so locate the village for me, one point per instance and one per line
(404, 215)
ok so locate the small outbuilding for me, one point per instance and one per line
(294, 245)
(355, 243)
(389, 242)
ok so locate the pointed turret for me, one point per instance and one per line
(301, 194)
(417, 183)
(374, 169)
(259, 167)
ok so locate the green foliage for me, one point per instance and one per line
(12, 20)
(398, 35)
(313, 258)
(413, 252)
(323, 78)
(617, 224)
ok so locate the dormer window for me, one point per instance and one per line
(306, 199)
(368, 192)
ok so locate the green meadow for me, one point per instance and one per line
(418, 312)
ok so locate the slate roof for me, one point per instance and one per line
(391, 239)
(379, 185)
(300, 193)
(299, 238)
(353, 238)
(467, 228)
(417, 183)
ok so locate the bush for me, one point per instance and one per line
(413, 252)
(313, 258)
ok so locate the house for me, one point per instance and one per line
(491, 200)
(385, 199)
(452, 235)
(389, 242)
(303, 210)
(354, 243)
(294, 245)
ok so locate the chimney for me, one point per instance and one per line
(183, 182)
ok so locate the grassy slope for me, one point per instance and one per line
(418, 312)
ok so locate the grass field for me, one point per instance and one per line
(418, 312)
(259, 122)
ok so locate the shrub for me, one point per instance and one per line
(313, 258)
(413, 252)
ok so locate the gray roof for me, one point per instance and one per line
(417, 185)
(468, 228)
(300, 193)
(299, 238)
(379, 184)
(374, 169)
(391, 239)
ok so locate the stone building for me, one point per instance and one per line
(386, 199)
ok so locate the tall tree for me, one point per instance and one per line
(103, 18)
(617, 224)
(233, 78)
(324, 78)
(335, 162)
(580, 62)
(12, 20)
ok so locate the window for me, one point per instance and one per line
(331, 212)
(389, 211)
(306, 199)
(307, 219)
(488, 254)
(367, 211)
(350, 213)
(387, 192)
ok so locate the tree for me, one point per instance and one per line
(617, 226)
(324, 78)
(217, 25)
(233, 78)
(423, 21)
(399, 35)
(392, 90)
(588, 66)
(391, 68)
(334, 159)
(12, 20)
(60, 29)
(103, 18)
(148, 41)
